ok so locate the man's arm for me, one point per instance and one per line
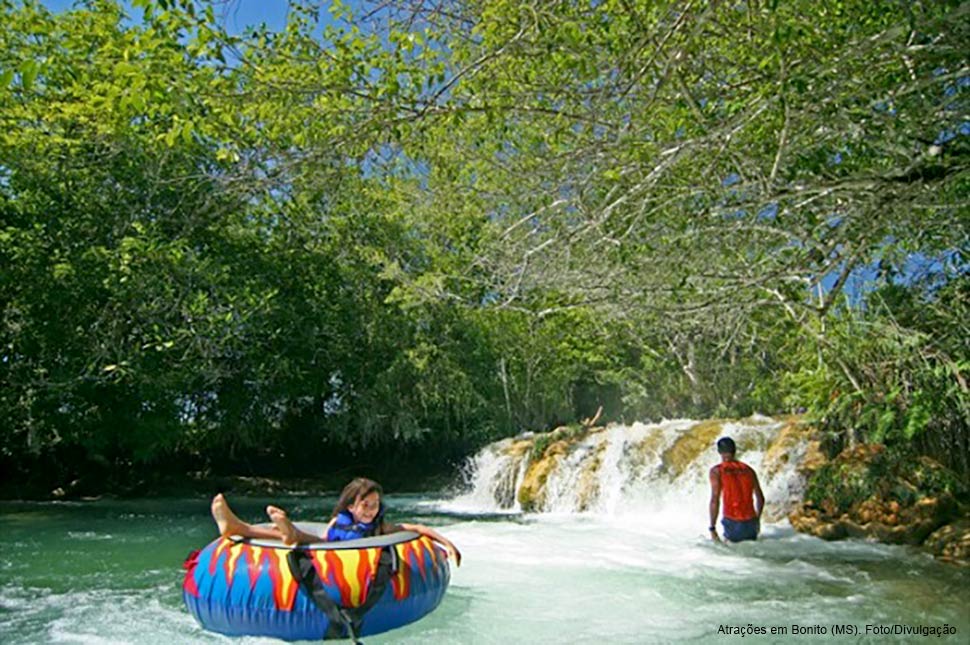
(715, 505)
(759, 497)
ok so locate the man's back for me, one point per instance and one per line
(737, 488)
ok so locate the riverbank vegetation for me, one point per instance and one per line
(392, 232)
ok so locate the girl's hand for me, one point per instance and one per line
(453, 552)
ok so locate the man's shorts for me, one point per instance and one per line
(735, 531)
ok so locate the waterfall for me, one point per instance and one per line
(643, 469)
(492, 477)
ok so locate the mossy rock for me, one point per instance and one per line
(519, 448)
(589, 486)
(649, 447)
(546, 449)
(689, 446)
(872, 492)
(951, 542)
(813, 522)
(569, 433)
(794, 434)
(532, 491)
(871, 471)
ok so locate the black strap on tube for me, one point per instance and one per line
(343, 622)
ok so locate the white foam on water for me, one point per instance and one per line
(102, 616)
(590, 576)
(89, 535)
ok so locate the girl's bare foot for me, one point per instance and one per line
(282, 524)
(227, 521)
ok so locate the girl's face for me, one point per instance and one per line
(365, 508)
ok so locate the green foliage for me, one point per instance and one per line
(894, 372)
(425, 230)
(890, 475)
(563, 433)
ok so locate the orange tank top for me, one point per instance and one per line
(737, 485)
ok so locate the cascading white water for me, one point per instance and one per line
(495, 473)
(628, 470)
(617, 549)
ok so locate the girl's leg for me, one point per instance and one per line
(230, 524)
(283, 525)
(290, 533)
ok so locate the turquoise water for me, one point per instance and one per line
(109, 571)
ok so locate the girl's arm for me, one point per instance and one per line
(326, 530)
(421, 529)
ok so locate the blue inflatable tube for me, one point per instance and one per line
(238, 586)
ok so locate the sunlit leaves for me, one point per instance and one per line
(415, 225)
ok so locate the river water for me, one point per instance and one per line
(109, 572)
(635, 568)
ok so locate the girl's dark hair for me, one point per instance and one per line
(359, 487)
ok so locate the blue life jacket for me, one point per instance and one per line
(347, 528)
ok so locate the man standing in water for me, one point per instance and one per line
(737, 483)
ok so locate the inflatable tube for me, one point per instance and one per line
(238, 586)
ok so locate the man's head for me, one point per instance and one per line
(725, 446)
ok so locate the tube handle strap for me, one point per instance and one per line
(343, 622)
